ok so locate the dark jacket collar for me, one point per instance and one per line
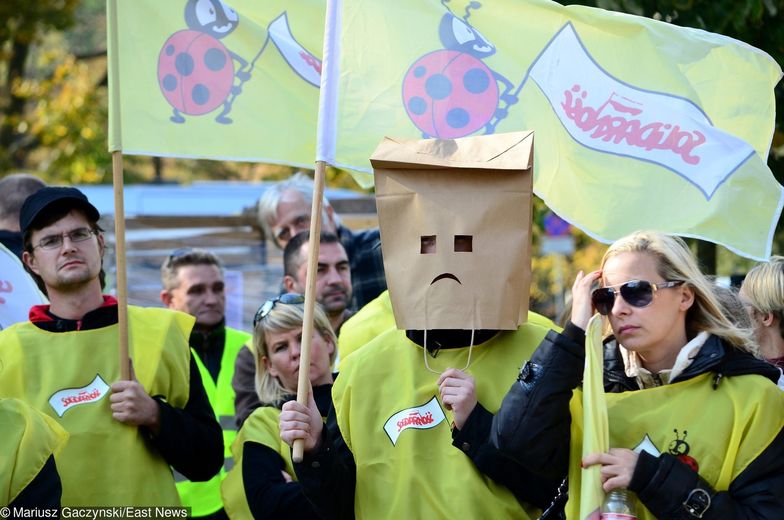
(714, 356)
(100, 317)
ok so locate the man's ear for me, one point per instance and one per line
(330, 211)
(166, 298)
(289, 283)
(29, 260)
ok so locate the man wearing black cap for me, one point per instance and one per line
(124, 435)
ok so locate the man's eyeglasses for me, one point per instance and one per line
(267, 306)
(637, 293)
(55, 241)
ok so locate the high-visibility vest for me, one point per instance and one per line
(67, 375)
(401, 438)
(718, 431)
(29, 439)
(262, 427)
(204, 498)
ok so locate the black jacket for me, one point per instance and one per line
(535, 413)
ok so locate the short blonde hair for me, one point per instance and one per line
(676, 262)
(764, 288)
(282, 318)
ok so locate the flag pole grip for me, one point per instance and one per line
(298, 449)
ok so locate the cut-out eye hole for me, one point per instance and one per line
(428, 244)
(464, 243)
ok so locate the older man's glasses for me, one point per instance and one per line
(55, 241)
(637, 293)
(267, 306)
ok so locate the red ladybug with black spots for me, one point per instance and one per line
(195, 69)
(451, 92)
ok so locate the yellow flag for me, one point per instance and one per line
(210, 79)
(639, 123)
(596, 430)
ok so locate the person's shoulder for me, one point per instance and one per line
(377, 350)
(238, 333)
(536, 326)
(262, 415)
(736, 362)
(261, 425)
(364, 238)
(16, 328)
(161, 315)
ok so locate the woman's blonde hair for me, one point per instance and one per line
(764, 288)
(675, 262)
(282, 318)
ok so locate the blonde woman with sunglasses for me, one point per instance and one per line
(695, 417)
(261, 483)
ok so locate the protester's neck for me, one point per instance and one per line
(772, 345)
(450, 338)
(336, 320)
(206, 329)
(74, 304)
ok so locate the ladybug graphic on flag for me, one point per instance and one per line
(195, 69)
(451, 92)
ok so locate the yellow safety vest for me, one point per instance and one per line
(370, 321)
(29, 438)
(719, 431)
(67, 375)
(391, 417)
(204, 498)
(261, 426)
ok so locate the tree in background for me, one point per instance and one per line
(25, 25)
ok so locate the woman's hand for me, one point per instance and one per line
(301, 422)
(617, 467)
(458, 393)
(582, 308)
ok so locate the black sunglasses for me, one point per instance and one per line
(267, 306)
(637, 293)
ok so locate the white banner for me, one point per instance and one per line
(18, 291)
(605, 114)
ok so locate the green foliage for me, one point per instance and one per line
(50, 111)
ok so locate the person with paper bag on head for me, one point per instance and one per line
(412, 409)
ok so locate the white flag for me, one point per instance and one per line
(18, 291)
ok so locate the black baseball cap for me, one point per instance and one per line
(37, 203)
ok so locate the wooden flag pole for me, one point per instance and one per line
(122, 279)
(303, 383)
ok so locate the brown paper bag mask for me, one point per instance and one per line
(455, 219)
